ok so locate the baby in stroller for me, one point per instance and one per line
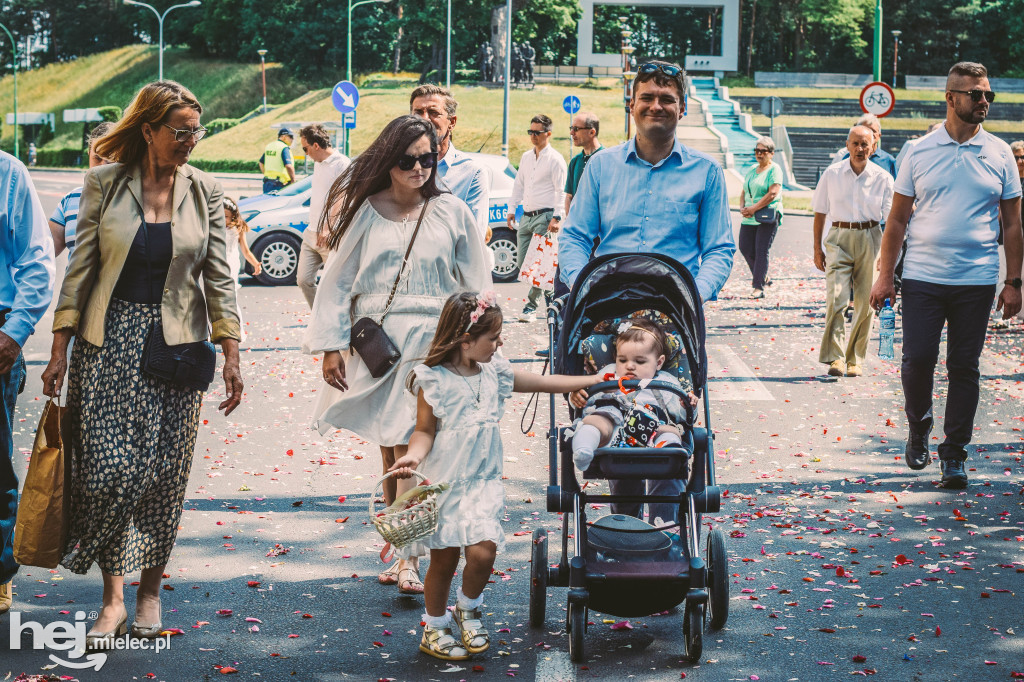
(643, 417)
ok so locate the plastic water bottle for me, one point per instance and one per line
(886, 331)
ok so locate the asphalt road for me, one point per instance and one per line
(842, 561)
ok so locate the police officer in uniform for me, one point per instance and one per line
(276, 164)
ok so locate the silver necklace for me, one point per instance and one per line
(476, 391)
(405, 220)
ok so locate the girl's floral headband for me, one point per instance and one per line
(484, 300)
(627, 325)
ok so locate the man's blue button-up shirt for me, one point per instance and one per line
(26, 247)
(678, 207)
(469, 180)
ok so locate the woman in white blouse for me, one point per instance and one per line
(375, 204)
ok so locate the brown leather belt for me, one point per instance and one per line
(867, 225)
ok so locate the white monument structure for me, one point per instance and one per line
(730, 33)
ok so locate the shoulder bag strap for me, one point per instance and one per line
(405, 260)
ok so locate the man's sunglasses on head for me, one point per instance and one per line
(976, 95)
(667, 69)
(407, 162)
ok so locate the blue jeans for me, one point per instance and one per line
(10, 386)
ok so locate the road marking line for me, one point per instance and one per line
(732, 379)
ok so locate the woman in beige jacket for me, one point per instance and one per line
(149, 226)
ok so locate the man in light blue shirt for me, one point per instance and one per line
(962, 179)
(465, 177)
(651, 194)
(26, 287)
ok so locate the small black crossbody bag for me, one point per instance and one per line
(186, 365)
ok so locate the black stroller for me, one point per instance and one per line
(620, 565)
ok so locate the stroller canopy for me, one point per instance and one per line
(616, 285)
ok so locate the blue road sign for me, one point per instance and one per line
(571, 104)
(345, 96)
(348, 120)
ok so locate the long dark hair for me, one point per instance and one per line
(370, 172)
(455, 326)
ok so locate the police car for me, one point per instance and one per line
(277, 220)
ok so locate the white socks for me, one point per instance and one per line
(438, 622)
(465, 602)
(586, 439)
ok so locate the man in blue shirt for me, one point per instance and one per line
(26, 287)
(953, 186)
(652, 195)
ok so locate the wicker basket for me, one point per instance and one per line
(412, 516)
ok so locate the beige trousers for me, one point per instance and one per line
(849, 264)
(310, 259)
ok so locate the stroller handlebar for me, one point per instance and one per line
(635, 384)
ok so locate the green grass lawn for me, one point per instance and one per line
(225, 89)
(478, 127)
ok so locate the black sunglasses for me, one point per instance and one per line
(758, 150)
(535, 132)
(1018, 158)
(976, 95)
(576, 129)
(667, 69)
(426, 161)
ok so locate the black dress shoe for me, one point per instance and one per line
(954, 476)
(916, 454)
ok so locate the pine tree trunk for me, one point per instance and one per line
(750, 43)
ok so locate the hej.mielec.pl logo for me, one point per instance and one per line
(70, 637)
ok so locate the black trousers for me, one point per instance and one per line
(964, 310)
(755, 242)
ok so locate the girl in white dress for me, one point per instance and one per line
(374, 207)
(237, 227)
(461, 389)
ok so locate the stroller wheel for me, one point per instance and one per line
(718, 580)
(577, 626)
(693, 631)
(538, 577)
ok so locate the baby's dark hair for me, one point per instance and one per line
(642, 329)
(456, 325)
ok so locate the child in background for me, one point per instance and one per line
(461, 389)
(237, 227)
(644, 417)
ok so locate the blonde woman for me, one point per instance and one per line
(149, 228)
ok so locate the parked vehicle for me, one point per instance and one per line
(278, 219)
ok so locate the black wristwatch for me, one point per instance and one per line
(1015, 283)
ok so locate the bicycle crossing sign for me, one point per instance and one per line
(877, 98)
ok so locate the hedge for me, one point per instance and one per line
(225, 166)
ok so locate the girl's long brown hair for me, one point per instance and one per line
(370, 173)
(454, 327)
(238, 223)
(152, 104)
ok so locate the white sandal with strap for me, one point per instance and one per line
(439, 643)
(474, 637)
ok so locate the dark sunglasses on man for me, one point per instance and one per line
(407, 162)
(667, 69)
(976, 95)
(576, 129)
(535, 132)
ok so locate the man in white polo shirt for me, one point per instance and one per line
(962, 178)
(855, 196)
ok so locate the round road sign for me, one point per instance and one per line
(877, 98)
(771, 106)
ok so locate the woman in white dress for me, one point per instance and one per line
(375, 204)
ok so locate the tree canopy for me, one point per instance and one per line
(310, 36)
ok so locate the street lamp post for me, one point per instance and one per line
(14, 63)
(160, 21)
(508, 77)
(627, 75)
(448, 51)
(895, 54)
(348, 53)
(263, 69)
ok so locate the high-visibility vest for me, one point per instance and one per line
(273, 162)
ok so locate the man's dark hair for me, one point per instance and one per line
(663, 79)
(542, 120)
(590, 120)
(968, 69)
(316, 134)
(429, 89)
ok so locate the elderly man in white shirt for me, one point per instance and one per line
(330, 163)
(540, 189)
(856, 196)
